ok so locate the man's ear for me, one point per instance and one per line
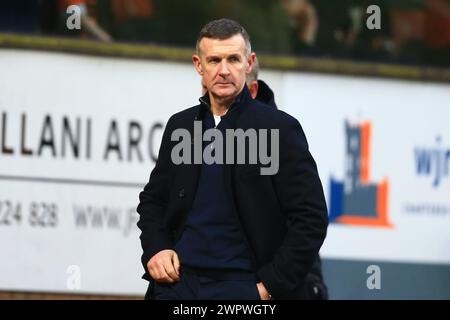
(253, 87)
(250, 62)
(197, 64)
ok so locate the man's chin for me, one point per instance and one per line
(225, 94)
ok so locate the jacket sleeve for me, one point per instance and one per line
(153, 203)
(300, 194)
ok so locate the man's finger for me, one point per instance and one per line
(153, 274)
(176, 263)
(163, 276)
(170, 270)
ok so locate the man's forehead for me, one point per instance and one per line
(232, 45)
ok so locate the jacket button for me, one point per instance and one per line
(181, 193)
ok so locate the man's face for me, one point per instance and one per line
(223, 66)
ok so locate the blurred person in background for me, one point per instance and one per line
(259, 90)
(133, 20)
(437, 31)
(89, 24)
(304, 19)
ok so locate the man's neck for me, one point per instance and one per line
(219, 107)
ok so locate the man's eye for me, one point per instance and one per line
(234, 59)
(214, 61)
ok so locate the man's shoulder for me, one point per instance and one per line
(270, 114)
(184, 117)
(269, 117)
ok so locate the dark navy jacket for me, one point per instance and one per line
(283, 217)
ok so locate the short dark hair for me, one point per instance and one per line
(223, 29)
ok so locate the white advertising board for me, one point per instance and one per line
(79, 135)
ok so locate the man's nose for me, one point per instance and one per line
(224, 70)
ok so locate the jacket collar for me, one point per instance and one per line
(205, 104)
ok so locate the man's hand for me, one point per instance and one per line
(164, 266)
(263, 293)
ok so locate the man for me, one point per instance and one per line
(226, 231)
